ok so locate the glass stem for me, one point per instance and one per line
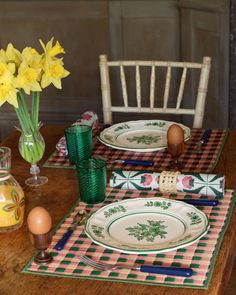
(34, 170)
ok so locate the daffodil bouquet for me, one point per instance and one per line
(28, 73)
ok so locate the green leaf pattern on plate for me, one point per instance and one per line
(148, 231)
(114, 210)
(97, 230)
(158, 123)
(144, 139)
(122, 127)
(164, 205)
(108, 138)
(195, 218)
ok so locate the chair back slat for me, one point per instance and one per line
(106, 91)
(123, 84)
(138, 86)
(152, 87)
(181, 88)
(197, 110)
(167, 87)
(202, 91)
(130, 63)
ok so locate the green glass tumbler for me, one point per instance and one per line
(79, 143)
(92, 178)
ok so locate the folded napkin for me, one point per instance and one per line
(88, 118)
(169, 182)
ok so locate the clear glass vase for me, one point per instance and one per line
(12, 200)
(31, 147)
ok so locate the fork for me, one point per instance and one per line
(174, 271)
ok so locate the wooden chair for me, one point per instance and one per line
(197, 111)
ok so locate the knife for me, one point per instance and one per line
(200, 202)
(205, 136)
(146, 163)
(165, 270)
(78, 219)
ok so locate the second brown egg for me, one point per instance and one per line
(175, 134)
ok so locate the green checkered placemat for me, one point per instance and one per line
(200, 256)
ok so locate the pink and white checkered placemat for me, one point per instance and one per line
(200, 256)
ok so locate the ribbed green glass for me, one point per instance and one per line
(79, 143)
(92, 178)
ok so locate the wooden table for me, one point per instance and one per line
(58, 196)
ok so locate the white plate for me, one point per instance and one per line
(141, 136)
(146, 225)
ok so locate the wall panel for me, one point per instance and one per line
(160, 29)
(82, 29)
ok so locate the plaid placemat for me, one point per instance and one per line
(191, 161)
(200, 256)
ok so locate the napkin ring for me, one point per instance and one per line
(168, 181)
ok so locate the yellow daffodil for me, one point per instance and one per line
(6, 71)
(13, 55)
(27, 72)
(3, 56)
(32, 58)
(3, 69)
(7, 88)
(53, 73)
(27, 78)
(51, 50)
(8, 93)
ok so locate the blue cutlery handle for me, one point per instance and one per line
(200, 202)
(61, 243)
(139, 162)
(206, 135)
(172, 271)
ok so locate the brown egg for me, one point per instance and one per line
(39, 221)
(175, 134)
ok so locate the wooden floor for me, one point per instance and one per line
(231, 290)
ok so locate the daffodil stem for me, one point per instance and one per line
(35, 109)
(25, 113)
(24, 120)
(32, 147)
(21, 119)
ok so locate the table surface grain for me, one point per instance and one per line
(58, 196)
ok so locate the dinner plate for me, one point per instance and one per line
(140, 136)
(146, 225)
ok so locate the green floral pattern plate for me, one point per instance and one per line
(141, 136)
(146, 225)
